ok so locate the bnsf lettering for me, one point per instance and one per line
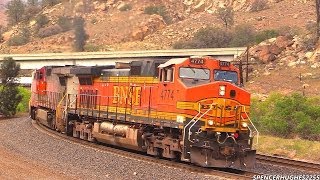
(125, 94)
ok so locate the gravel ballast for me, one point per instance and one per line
(77, 161)
(69, 160)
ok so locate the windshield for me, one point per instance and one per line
(229, 76)
(194, 73)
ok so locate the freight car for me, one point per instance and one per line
(191, 109)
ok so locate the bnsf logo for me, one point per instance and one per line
(126, 95)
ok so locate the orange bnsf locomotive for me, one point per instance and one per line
(191, 109)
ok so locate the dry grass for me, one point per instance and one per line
(290, 148)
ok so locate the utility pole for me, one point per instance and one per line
(318, 18)
(247, 65)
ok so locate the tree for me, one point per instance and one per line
(50, 2)
(15, 10)
(9, 93)
(209, 37)
(243, 35)
(33, 2)
(1, 31)
(213, 37)
(318, 18)
(226, 15)
(20, 39)
(80, 34)
(30, 12)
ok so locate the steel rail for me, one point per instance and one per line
(145, 158)
(301, 165)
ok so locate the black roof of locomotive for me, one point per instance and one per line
(89, 70)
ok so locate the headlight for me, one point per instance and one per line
(210, 122)
(180, 119)
(222, 90)
(244, 124)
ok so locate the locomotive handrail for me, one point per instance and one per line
(198, 118)
(58, 113)
(185, 128)
(254, 127)
(192, 120)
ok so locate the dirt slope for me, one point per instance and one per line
(109, 29)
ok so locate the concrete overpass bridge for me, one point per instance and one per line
(35, 61)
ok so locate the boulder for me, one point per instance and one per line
(265, 53)
(274, 49)
(268, 58)
(283, 42)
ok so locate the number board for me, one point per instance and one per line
(197, 61)
(224, 63)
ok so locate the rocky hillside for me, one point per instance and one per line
(112, 27)
(279, 64)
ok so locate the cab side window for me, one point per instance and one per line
(38, 75)
(167, 74)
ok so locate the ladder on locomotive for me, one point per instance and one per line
(189, 125)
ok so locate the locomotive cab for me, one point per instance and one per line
(214, 111)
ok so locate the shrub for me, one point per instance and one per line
(309, 42)
(92, 48)
(49, 31)
(42, 20)
(1, 31)
(24, 104)
(289, 31)
(21, 39)
(183, 44)
(264, 35)
(259, 5)
(50, 2)
(126, 7)
(160, 10)
(243, 35)
(30, 12)
(65, 23)
(209, 37)
(311, 27)
(288, 115)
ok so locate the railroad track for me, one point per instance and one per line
(145, 158)
(301, 165)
